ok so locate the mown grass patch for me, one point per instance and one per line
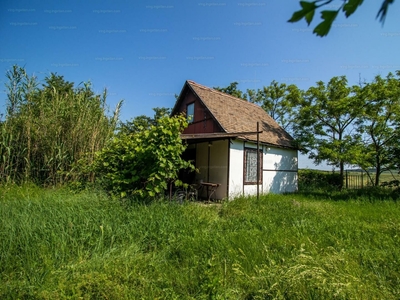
(59, 245)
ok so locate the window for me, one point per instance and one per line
(190, 112)
(250, 166)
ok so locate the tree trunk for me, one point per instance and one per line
(378, 171)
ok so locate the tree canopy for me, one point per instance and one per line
(333, 122)
(232, 89)
(379, 126)
(325, 118)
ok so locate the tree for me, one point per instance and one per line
(326, 114)
(278, 100)
(143, 122)
(232, 89)
(328, 16)
(146, 162)
(379, 126)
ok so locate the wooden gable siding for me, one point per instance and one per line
(203, 121)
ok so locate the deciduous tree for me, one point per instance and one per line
(232, 89)
(279, 101)
(379, 126)
(324, 123)
(143, 122)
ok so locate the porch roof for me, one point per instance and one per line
(204, 137)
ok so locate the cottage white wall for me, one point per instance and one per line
(236, 169)
(279, 170)
(278, 182)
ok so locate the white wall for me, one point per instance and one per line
(236, 169)
(279, 170)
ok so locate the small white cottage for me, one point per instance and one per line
(222, 142)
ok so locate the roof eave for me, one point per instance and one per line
(179, 99)
(243, 138)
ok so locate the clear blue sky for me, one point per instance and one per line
(143, 51)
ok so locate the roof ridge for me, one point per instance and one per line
(224, 94)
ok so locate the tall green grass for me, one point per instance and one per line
(59, 245)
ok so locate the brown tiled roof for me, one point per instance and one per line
(236, 115)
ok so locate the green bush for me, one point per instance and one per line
(144, 163)
(313, 179)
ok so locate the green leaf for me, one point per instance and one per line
(351, 6)
(323, 28)
(309, 17)
(307, 12)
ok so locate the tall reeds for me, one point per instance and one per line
(47, 130)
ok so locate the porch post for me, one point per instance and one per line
(258, 162)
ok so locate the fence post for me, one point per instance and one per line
(347, 181)
(362, 179)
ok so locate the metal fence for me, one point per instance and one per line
(359, 179)
(356, 180)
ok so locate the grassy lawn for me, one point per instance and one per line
(59, 245)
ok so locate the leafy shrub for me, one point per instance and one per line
(313, 179)
(394, 185)
(144, 163)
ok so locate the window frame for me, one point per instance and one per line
(187, 113)
(245, 161)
